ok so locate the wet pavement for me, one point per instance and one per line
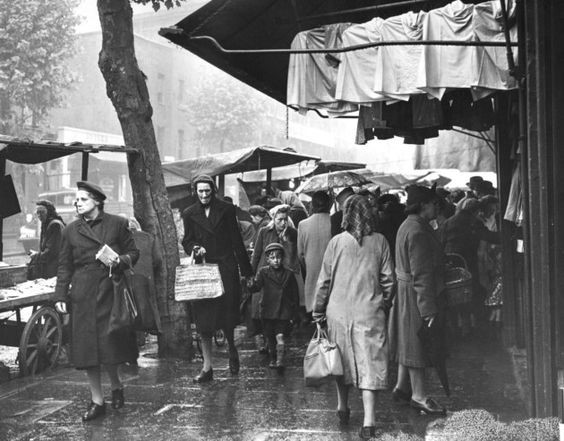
(259, 404)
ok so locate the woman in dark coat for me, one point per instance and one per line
(211, 230)
(419, 271)
(50, 239)
(92, 293)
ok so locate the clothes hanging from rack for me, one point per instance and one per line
(312, 78)
(357, 69)
(447, 67)
(492, 64)
(396, 66)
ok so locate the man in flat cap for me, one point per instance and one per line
(211, 230)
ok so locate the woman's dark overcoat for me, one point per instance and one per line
(149, 263)
(219, 235)
(91, 290)
(49, 247)
(420, 278)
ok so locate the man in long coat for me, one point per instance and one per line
(211, 230)
(314, 233)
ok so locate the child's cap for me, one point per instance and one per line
(275, 246)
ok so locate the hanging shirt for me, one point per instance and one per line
(492, 66)
(396, 66)
(355, 77)
(444, 67)
(312, 78)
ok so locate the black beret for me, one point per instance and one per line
(92, 188)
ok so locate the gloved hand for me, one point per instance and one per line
(319, 317)
(61, 307)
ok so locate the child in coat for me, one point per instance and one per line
(279, 303)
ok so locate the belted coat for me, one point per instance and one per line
(420, 278)
(219, 235)
(84, 283)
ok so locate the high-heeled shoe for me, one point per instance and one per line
(118, 399)
(430, 407)
(94, 411)
(234, 364)
(344, 416)
(400, 396)
(203, 376)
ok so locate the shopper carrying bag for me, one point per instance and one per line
(322, 360)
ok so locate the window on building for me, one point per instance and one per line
(180, 147)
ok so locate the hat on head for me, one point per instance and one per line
(474, 180)
(344, 194)
(418, 194)
(485, 187)
(205, 179)
(275, 246)
(93, 189)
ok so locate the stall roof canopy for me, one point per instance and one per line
(31, 152)
(236, 161)
(301, 171)
(272, 24)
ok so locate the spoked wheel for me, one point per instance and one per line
(41, 341)
(219, 337)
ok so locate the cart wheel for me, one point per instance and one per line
(219, 337)
(41, 341)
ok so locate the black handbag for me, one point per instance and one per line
(141, 290)
(33, 268)
(124, 309)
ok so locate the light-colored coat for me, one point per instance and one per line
(314, 234)
(419, 270)
(353, 284)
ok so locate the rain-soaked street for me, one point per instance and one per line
(162, 403)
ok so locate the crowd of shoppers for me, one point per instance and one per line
(294, 268)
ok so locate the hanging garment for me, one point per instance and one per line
(312, 78)
(491, 62)
(370, 124)
(514, 210)
(464, 112)
(445, 67)
(356, 73)
(396, 66)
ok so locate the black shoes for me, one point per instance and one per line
(367, 432)
(203, 376)
(430, 407)
(399, 396)
(344, 416)
(234, 363)
(117, 399)
(94, 411)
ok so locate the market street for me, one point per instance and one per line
(162, 403)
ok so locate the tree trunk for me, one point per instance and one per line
(126, 88)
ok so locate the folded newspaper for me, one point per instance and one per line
(106, 255)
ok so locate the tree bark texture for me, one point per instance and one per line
(127, 89)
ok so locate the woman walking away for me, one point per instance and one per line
(354, 302)
(419, 270)
(279, 302)
(92, 293)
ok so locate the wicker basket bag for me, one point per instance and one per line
(458, 281)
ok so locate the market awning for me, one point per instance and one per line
(32, 152)
(272, 24)
(297, 171)
(236, 161)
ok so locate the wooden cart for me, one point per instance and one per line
(39, 338)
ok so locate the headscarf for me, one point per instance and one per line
(51, 211)
(357, 217)
(274, 211)
(205, 179)
(290, 198)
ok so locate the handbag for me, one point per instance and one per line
(33, 268)
(124, 311)
(197, 281)
(322, 359)
(142, 293)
